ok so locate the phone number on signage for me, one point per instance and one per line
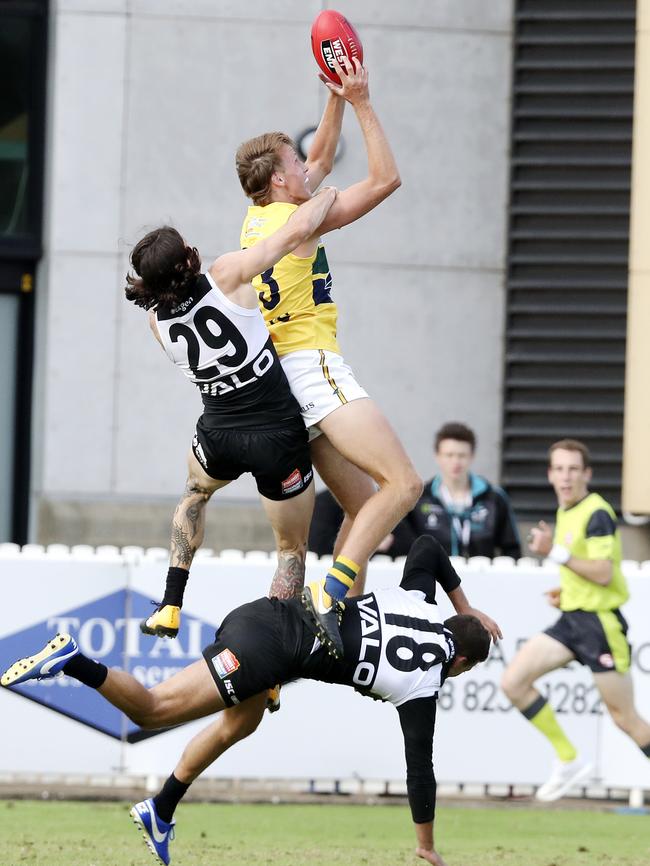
(487, 697)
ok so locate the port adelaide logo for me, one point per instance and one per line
(108, 630)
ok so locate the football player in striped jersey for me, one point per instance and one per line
(397, 649)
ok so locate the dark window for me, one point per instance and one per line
(23, 43)
(22, 65)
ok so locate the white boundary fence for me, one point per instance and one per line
(100, 596)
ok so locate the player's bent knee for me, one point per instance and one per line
(414, 489)
(247, 727)
(409, 489)
(511, 685)
(239, 725)
(621, 719)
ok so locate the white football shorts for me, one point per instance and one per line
(321, 381)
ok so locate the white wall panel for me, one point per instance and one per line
(78, 434)
(426, 345)
(85, 196)
(470, 15)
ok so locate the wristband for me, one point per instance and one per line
(559, 554)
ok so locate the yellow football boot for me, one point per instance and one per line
(165, 621)
(273, 699)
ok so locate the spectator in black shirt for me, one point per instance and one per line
(464, 512)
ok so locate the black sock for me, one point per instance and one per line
(169, 796)
(87, 671)
(175, 586)
(646, 750)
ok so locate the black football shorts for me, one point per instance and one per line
(257, 646)
(597, 640)
(278, 459)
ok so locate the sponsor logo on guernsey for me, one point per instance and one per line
(285, 317)
(295, 481)
(183, 306)
(369, 648)
(254, 226)
(225, 663)
(246, 375)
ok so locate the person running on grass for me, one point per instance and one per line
(591, 629)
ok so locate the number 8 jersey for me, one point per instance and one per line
(227, 352)
(399, 650)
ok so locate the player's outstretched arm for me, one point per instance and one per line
(418, 720)
(428, 563)
(461, 605)
(383, 175)
(235, 269)
(320, 158)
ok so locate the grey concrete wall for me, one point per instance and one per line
(148, 102)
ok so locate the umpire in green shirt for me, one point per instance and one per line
(591, 629)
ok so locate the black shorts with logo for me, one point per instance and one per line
(597, 640)
(257, 646)
(278, 459)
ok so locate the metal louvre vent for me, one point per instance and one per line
(566, 284)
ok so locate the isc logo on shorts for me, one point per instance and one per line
(295, 481)
(199, 452)
(225, 663)
(231, 691)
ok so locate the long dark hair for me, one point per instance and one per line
(166, 269)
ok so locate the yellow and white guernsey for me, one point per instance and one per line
(294, 294)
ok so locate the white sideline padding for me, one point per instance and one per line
(480, 739)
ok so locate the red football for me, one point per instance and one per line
(332, 36)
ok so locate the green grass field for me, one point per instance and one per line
(101, 834)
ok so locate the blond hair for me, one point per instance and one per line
(256, 160)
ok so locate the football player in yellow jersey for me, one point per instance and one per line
(353, 444)
(586, 545)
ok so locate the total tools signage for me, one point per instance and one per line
(480, 738)
(107, 629)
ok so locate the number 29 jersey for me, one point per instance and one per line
(294, 294)
(226, 351)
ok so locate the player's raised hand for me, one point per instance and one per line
(540, 539)
(354, 81)
(487, 622)
(553, 596)
(430, 856)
